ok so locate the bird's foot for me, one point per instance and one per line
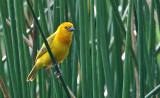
(53, 65)
(58, 74)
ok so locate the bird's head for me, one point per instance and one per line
(66, 29)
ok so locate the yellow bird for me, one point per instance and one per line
(59, 43)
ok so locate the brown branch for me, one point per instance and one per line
(70, 92)
(5, 93)
(26, 18)
(28, 42)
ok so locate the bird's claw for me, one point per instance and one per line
(58, 74)
(54, 65)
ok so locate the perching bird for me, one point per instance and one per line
(59, 43)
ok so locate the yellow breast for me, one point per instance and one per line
(60, 48)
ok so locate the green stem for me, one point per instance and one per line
(104, 48)
(118, 61)
(127, 63)
(149, 54)
(151, 29)
(87, 48)
(93, 51)
(1, 69)
(140, 48)
(15, 44)
(20, 24)
(82, 49)
(118, 18)
(75, 69)
(56, 15)
(42, 16)
(75, 22)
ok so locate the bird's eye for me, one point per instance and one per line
(65, 27)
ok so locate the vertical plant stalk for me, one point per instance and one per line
(49, 87)
(26, 51)
(40, 82)
(69, 57)
(3, 88)
(42, 16)
(62, 5)
(49, 50)
(64, 74)
(56, 15)
(50, 24)
(93, 51)
(82, 49)
(99, 58)
(12, 74)
(147, 59)
(118, 40)
(56, 86)
(127, 66)
(75, 22)
(124, 5)
(44, 91)
(21, 46)
(100, 70)
(68, 69)
(27, 44)
(148, 54)
(105, 51)
(75, 69)
(15, 44)
(152, 32)
(1, 67)
(151, 29)
(140, 48)
(26, 47)
(87, 48)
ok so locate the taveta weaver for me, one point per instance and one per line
(59, 43)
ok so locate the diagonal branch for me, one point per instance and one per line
(5, 93)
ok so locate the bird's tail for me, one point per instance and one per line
(33, 73)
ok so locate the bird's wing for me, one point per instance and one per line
(43, 49)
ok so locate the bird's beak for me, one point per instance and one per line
(71, 29)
